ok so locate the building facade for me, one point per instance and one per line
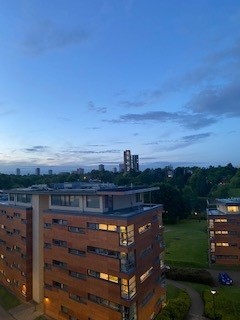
(91, 253)
(224, 231)
(130, 162)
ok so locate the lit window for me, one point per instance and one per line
(220, 220)
(222, 244)
(144, 228)
(221, 232)
(146, 274)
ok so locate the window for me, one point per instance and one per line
(59, 243)
(138, 197)
(11, 197)
(128, 288)
(221, 232)
(47, 266)
(47, 225)
(212, 247)
(77, 275)
(144, 228)
(211, 223)
(76, 251)
(64, 309)
(59, 221)
(76, 298)
(104, 252)
(47, 245)
(103, 276)
(129, 313)
(76, 229)
(126, 235)
(146, 251)
(146, 274)
(220, 220)
(59, 285)
(104, 302)
(93, 202)
(147, 298)
(24, 198)
(17, 215)
(127, 261)
(211, 234)
(222, 244)
(233, 209)
(101, 226)
(65, 200)
(59, 264)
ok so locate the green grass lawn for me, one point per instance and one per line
(172, 292)
(7, 300)
(186, 244)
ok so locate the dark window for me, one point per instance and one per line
(76, 298)
(59, 285)
(77, 275)
(59, 221)
(47, 245)
(47, 225)
(59, 264)
(104, 302)
(76, 251)
(65, 200)
(93, 202)
(76, 229)
(59, 243)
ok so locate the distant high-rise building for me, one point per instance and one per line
(135, 162)
(37, 171)
(114, 169)
(127, 161)
(131, 162)
(121, 167)
(101, 167)
(50, 172)
(80, 171)
(18, 172)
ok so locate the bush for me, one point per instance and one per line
(192, 275)
(176, 308)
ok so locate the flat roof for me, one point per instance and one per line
(229, 201)
(85, 191)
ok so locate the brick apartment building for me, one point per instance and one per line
(224, 231)
(89, 254)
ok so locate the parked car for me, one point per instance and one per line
(224, 278)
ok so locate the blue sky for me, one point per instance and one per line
(81, 81)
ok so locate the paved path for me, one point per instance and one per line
(197, 307)
(25, 311)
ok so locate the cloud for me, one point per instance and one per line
(91, 151)
(93, 128)
(63, 119)
(221, 101)
(36, 149)
(47, 36)
(143, 98)
(187, 120)
(188, 140)
(92, 107)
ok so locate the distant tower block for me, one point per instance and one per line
(37, 171)
(18, 172)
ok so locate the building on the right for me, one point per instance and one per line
(224, 231)
(130, 162)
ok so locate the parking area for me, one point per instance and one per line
(235, 275)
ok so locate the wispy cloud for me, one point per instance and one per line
(91, 107)
(188, 140)
(36, 149)
(220, 101)
(47, 36)
(187, 120)
(143, 98)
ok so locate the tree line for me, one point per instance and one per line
(182, 190)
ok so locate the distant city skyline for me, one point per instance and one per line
(81, 83)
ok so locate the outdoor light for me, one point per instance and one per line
(213, 292)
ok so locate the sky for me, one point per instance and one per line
(83, 80)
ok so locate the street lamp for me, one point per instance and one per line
(213, 292)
